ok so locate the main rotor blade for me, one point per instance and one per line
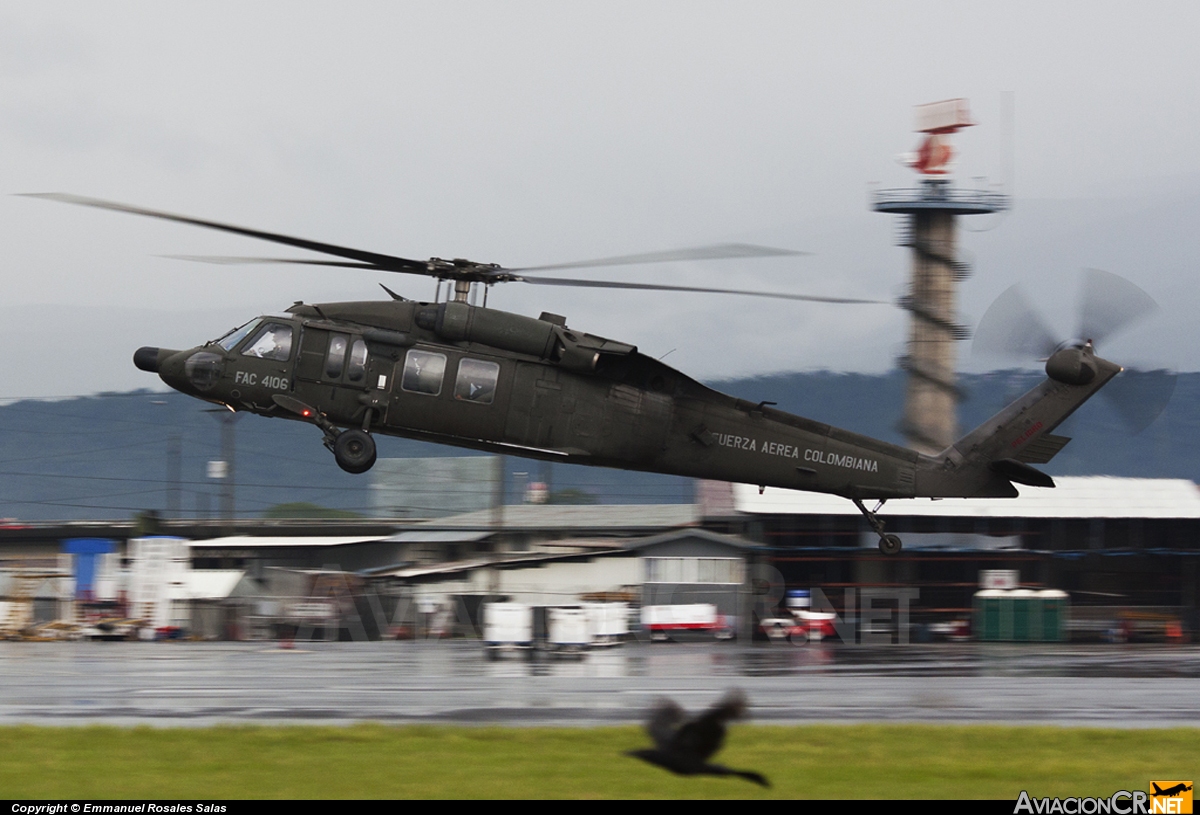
(1110, 303)
(605, 284)
(721, 251)
(537, 281)
(392, 263)
(224, 260)
(389, 263)
(1011, 328)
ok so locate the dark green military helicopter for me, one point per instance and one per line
(463, 374)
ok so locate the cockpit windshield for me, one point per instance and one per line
(238, 334)
(273, 341)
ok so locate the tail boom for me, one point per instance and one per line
(985, 462)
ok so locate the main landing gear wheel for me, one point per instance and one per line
(889, 545)
(354, 451)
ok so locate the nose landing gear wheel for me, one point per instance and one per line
(889, 545)
(354, 451)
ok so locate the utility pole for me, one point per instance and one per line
(174, 466)
(225, 471)
(498, 494)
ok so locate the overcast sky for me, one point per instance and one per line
(527, 132)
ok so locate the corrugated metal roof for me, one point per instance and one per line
(1074, 497)
(255, 542)
(511, 561)
(589, 549)
(582, 544)
(570, 516)
(438, 536)
(701, 534)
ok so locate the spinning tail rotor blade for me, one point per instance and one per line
(1012, 329)
(1110, 303)
(1139, 397)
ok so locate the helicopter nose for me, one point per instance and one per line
(148, 359)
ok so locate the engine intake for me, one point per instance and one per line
(511, 332)
(546, 339)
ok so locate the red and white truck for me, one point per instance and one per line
(702, 618)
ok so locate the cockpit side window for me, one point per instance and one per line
(230, 340)
(273, 341)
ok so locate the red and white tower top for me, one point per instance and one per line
(938, 120)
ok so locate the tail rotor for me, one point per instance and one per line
(1013, 330)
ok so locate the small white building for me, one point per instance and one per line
(683, 566)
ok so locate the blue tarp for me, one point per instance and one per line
(85, 551)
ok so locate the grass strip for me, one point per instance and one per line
(433, 761)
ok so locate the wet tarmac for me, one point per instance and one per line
(177, 683)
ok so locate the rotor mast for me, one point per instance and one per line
(464, 275)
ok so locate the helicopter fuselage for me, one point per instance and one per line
(505, 383)
(489, 380)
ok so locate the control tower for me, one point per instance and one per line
(930, 230)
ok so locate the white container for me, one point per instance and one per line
(567, 628)
(507, 626)
(608, 623)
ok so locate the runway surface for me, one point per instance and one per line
(178, 683)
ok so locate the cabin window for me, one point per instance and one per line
(274, 341)
(335, 360)
(357, 368)
(423, 371)
(230, 340)
(476, 381)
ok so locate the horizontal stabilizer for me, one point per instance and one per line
(1021, 473)
(1042, 449)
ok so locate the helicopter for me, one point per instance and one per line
(454, 372)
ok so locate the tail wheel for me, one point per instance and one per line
(354, 451)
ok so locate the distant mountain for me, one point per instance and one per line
(107, 456)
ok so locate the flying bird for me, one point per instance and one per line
(684, 746)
